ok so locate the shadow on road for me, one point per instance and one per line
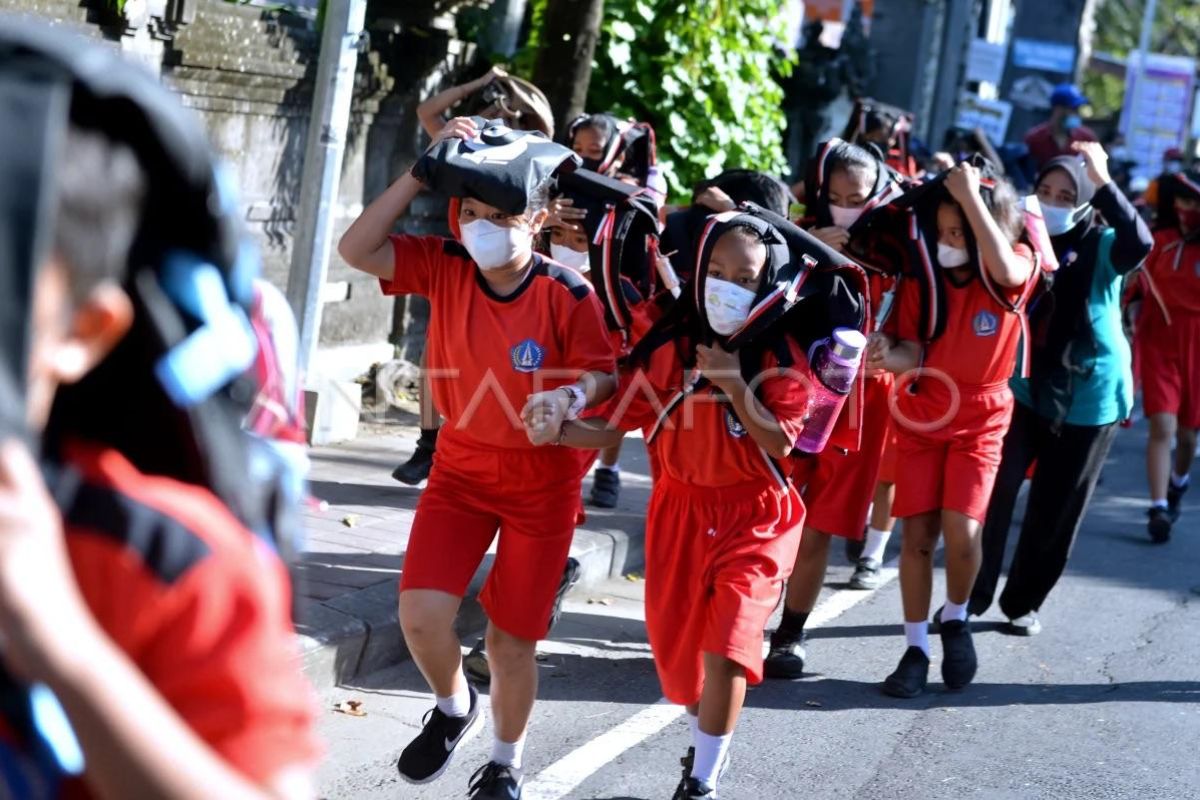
(832, 694)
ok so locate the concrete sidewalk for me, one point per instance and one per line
(347, 576)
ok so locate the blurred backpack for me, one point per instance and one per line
(516, 101)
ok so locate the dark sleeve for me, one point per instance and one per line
(1133, 239)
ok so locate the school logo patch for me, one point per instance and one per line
(986, 324)
(734, 425)
(527, 356)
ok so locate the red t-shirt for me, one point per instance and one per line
(200, 605)
(1174, 272)
(979, 345)
(703, 443)
(1043, 146)
(486, 354)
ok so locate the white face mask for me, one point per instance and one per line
(1059, 220)
(726, 304)
(952, 256)
(844, 217)
(492, 246)
(570, 258)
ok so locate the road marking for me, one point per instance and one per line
(560, 778)
(563, 776)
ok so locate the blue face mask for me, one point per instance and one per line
(1072, 122)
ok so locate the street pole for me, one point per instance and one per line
(323, 153)
(1139, 79)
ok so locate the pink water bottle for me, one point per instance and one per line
(834, 363)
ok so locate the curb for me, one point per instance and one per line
(353, 635)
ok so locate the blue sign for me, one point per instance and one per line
(1043, 55)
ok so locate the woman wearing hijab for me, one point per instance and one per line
(1080, 384)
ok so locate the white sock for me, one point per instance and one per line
(614, 467)
(508, 754)
(1159, 503)
(917, 635)
(877, 542)
(954, 611)
(457, 704)
(1180, 481)
(710, 754)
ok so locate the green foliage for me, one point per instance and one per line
(1118, 26)
(700, 71)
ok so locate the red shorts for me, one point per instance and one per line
(716, 562)
(1169, 366)
(950, 454)
(887, 465)
(839, 486)
(529, 496)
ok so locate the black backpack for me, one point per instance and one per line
(622, 226)
(502, 167)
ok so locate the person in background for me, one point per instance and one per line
(1158, 195)
(1055, 136)
(1080, 385)
(1167, 352)
(952, 410)
(837, 487)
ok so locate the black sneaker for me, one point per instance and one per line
(694, 789)
(911, 675)
(866, 575)
(570, 577)
(495, 781)
(958, 654)
(428, 755)
(1159, 524)
(416, 469)
(475, 665)
(606, 488)
(854, 549)
(690, 788)
(785, 659)
(1174, 497)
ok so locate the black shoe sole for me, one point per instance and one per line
(782, 673)
(1159, 530)
(903, 692)
(401, 474)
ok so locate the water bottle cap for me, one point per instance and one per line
(848, 343)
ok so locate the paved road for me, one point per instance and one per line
(1104, 704)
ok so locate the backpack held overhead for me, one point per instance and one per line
(501, 166)
(622, 227)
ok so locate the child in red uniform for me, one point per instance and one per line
(724, 521)
(504, 324)
(1167, 352)
(159, 621)
(615, 225)
(952, 406)
(847, 182)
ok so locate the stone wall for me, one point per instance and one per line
(248, 73)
